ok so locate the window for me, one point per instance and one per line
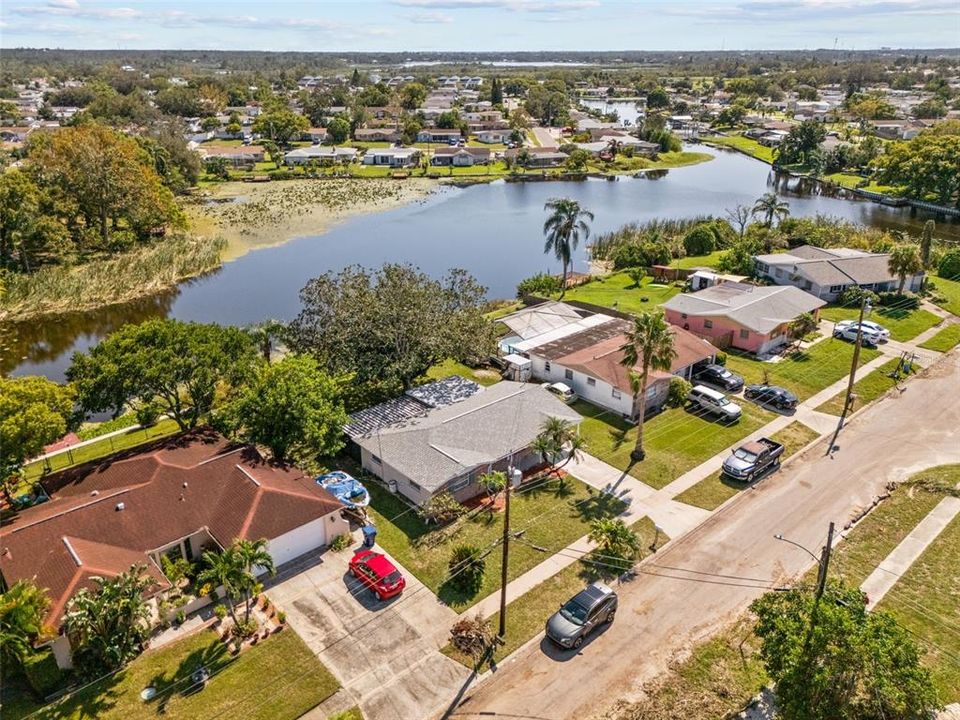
(615, 393)
(651, 391)
(188, 549)
(412, 484)
(377, 460)
(546, 366)
(778, 272)
(834, 289)
(807, 284)
(591, 381)
(708, 324)
(459, 483)
(744, 334)
(568, 374)
(683, 315)
(762, 267)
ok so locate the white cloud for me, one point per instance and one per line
(549, 6)
(430, 17)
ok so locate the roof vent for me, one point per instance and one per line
(120, 506)
(184, 483)
(94, 493)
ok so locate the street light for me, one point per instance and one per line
(823, 560)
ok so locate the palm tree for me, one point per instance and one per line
(264, 334)
(493, 483)
(564, 228)
(615, 543)
(802, 325)
(558, 437)
(22, 609)
(252, 554)
(223, 569)
(771, 208)
(649, 345)
(904, 260)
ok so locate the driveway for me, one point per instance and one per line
(385, 654)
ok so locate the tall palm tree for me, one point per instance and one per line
(223, 569)
(771, 208)
(904, 260)
(252, 554)
(564, 228)
(558, 439)
(649, 345)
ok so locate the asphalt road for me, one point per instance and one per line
(708, 577)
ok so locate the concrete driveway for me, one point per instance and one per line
(385, 654)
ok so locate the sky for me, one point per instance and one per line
(479, 25)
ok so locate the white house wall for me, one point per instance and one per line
(600, 394)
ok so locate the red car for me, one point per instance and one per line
(376, 572)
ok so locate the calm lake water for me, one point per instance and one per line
(626, 110)
(494, 231)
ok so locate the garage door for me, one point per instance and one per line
(298, 541)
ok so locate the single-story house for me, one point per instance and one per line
(641, 147)
(315, 134)
(538, 157)
(376, 135)
(236, 155)
(176, 499)
(746, 317)
(460, 156)
(492, 137)
(322, 154)
(392, 157)
(439, 135)
(827, 272)
(447, 434)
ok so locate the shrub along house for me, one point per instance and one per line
(175, 500)
(443, 436)
(746, 317)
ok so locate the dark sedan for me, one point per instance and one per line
(719, 376)
(772, 395)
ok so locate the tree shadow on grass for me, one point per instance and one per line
(93, 701)
(177, 681)
(597, 506)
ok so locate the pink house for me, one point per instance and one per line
(745, 317)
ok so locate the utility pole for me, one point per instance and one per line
(824, 563)
(513, 475)
(848, 400)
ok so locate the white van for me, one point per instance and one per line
(562, 391)
(714, 402)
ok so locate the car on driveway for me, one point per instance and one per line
(708, 400)
(562, 391)
(719, 376)
(772, 396)
(849, 332)
(375, 571)
(590, 608)
(868, 327)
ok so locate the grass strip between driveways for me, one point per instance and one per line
(714, 490)
(277, 679)
(944, 340)
(527, 614)
(867, 389)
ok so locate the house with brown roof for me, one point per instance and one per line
(177, 498)
(236, 155)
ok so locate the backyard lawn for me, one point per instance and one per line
(744, 144)
(552, 516)
(527, 614)
(903, 324)
(482, 376)
(618, 291)
(804, 372)
(278, 679)
(949, 293)
(695, 261)
(676, 440)
(944, 340)
(867, 389)
(711, 492)
(925, 598)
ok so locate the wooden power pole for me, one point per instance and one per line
(513, 475)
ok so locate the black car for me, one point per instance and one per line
(772, 395)
(593, 606)
(719, 376)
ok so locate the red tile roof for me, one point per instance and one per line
(169, 491)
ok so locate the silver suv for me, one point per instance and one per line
(715, 403)
(593, 606)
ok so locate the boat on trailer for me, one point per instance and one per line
(345, 488)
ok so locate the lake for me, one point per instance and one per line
(492, 230)
(626, 110)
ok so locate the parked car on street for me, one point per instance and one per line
(375, 571)
(562, 391)
(713, 402)
(719, 376)
(849, 332)
(752, 459)
(593, 606)
(771, 395)
(868, 326)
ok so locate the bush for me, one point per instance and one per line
(472, 637)
(340, 542)
(148, 414)
(175, 570)
(181, 617)
(466, 569)
(643, 254)
(949, 265)
(738, 260)
(679, 389)
(220, 611)
(42, 672)
(721, 358)
(700, 240)
(902, 302)
(853, 296)
(539, 284)
(441, 509)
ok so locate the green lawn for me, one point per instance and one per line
(744, 144)
(100, 449)
(926, 599)
(694, 261)
(675, 440)
(804, 372)
(527, 614)
(867, 389)
(278, 679)
(483, 376)
(618, 291)
(553, 517)
(711, 492)
(948, 294)
(944, 340)
(351, 714)
(903, 324)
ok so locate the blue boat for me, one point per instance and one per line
(345, 488)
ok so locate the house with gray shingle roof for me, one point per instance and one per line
(447, 447)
